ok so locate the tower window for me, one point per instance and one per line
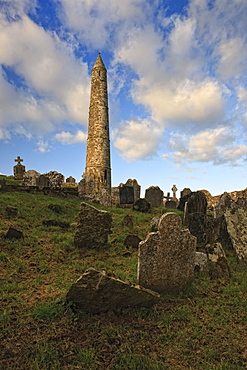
(98, 73)
(105, 175)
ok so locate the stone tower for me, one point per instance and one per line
(98, 141)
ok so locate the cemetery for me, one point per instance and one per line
(156, 288)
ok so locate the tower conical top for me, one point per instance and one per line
(99, 62)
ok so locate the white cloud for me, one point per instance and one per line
(58, 83)
(67, 138)
(137, 139)
(214, 145)
(97, 22)
(43, 146)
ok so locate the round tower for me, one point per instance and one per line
(98, 142)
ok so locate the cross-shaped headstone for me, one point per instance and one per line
(19, 160)
(174, 189)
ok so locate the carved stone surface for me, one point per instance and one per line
(224, 202)
(56, 179)
(196, 203)
(154, 196)
(218, 265)
(86, 188)
(167, 257)
(97, 292)
(93, 226)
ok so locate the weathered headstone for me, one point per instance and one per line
(105, 198)
(30, 178)
(97, 292)
(56, 179)
(167, 257)
(184, 192)
(136, 187)
(86, 188)
(132, 241)
(224, 202)
(171, 204)
(197, 203)
(42, 181)
(201, 261)
(141, 205)
(126, 194)
(218, 265)
(19, 169)
(154, 196)
(174, 190)
(127, 221)
(93, 226)
(2, 184)
(70, 181)
(236, 220)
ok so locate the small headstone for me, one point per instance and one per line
(171, 204)
(132, 241)
(13, 233)
(70, 181)
(97, 292)
(93, 226)
(167, 257)
(141, 205)
(11, 211)
(154, 196)
(126, 194)
(184, 192)
(19, 169)
(42, 181)
(127, 221)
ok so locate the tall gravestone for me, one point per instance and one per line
(126, 194)
(166, 258)
(154, 196)
(19, 169)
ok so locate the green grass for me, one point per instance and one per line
(202, 328)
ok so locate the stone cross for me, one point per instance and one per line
(19, 160)
(174, 189)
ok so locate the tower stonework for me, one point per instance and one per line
(98, 166)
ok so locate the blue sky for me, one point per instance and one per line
(176, 79)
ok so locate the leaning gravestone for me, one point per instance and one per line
(93, 227)
(167, 257)
(154, 196)
(97, 292)
(236, 220)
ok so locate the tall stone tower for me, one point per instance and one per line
(98, 142)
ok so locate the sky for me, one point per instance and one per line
(177, 88)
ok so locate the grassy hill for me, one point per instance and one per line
(203, 328)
